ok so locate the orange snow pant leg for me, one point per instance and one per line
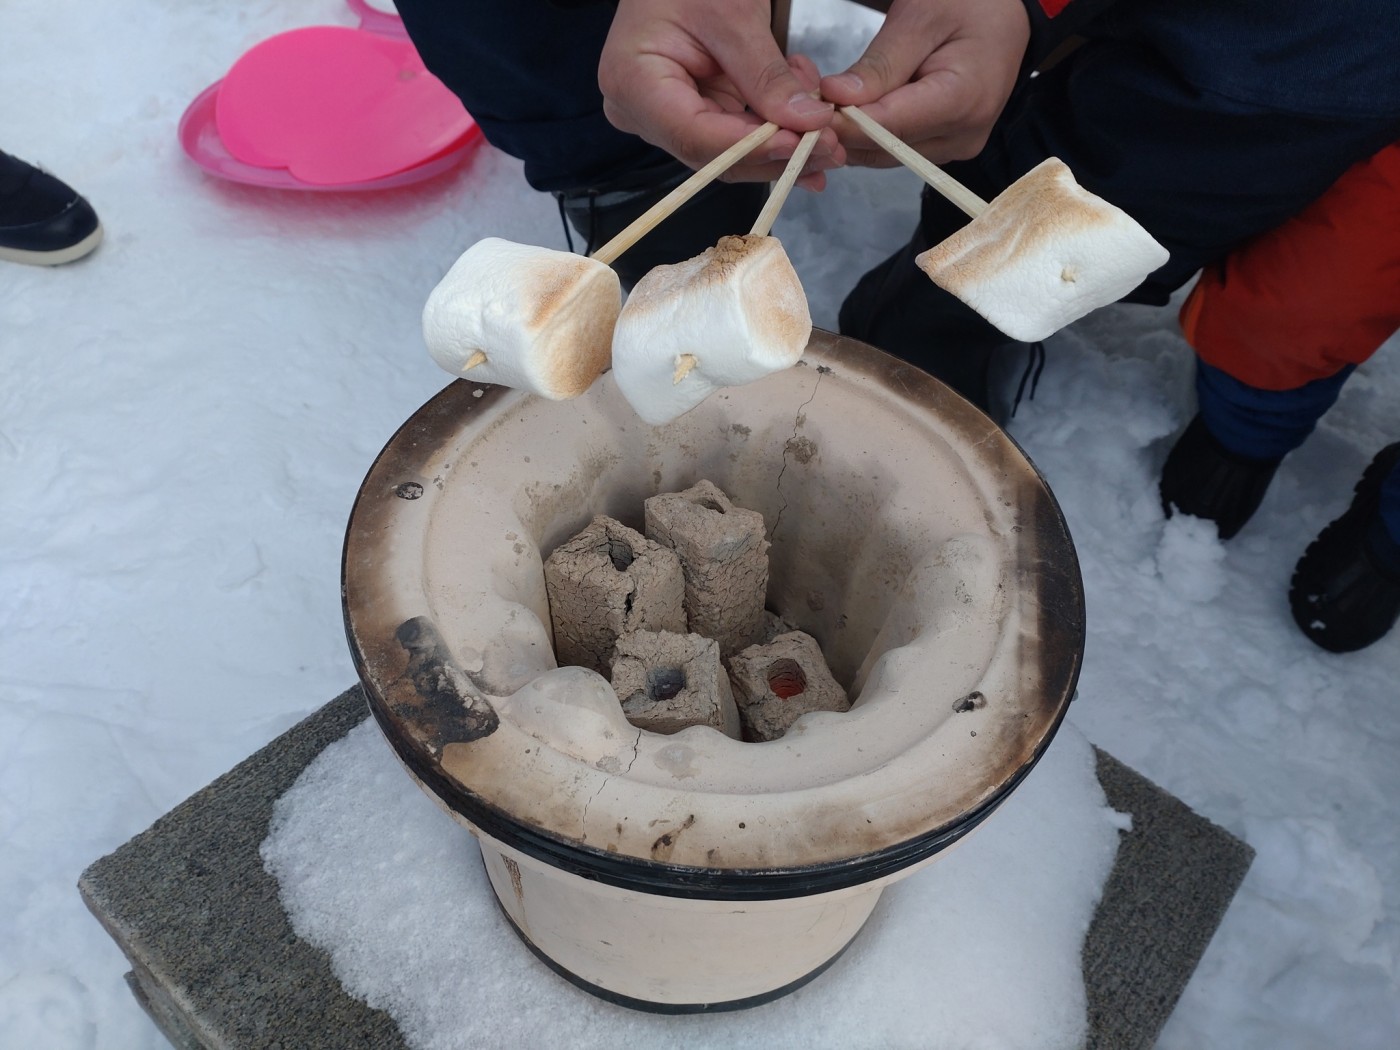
(1312, 296)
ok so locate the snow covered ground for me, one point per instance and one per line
(186, 416)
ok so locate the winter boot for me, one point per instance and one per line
(898, 309)
(600, 213)
(43, 222)
(1346, 588)
(1203, 478)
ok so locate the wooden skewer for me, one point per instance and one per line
(784, 185)
(653, 216)
(920, 165)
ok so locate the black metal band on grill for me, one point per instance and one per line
(683, 881)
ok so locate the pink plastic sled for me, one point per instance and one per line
(329, 108)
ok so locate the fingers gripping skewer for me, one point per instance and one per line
(940, 180)
(654, 215)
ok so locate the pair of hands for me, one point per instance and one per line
(695, 76)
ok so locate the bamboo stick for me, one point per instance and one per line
(940, 180)
(654, 215)
(784, 185)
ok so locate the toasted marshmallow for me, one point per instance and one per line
(732, 314)
(524, 316)
(1044, 253)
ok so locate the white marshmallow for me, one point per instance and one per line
(732, 314)
(1044, 253)
(524, 316)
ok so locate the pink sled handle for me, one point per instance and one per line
(372, 20)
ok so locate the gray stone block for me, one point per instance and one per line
(724, 552)
(1173, 879)
(774, 625)
(777, 683)
(667, 682)
(604, 582)
(213, 958)
(217, 965)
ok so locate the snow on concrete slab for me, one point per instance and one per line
(980, 949)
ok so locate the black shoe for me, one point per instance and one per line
(721, 208)
(1203, 478)
(1346, 589)
(43, 222)
(898, 309)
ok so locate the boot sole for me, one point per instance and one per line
(57, 257)
(1366, 495)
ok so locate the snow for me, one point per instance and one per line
(920, 965)
(186, 416)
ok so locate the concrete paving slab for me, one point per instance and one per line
(216, 964)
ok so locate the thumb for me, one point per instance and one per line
(907, 37)
(765, 80)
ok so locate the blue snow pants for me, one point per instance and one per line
(1268, 424)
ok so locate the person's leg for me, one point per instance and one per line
(1278, 325)
(527, 72)
(1312, 296)
(1200, 172)
(1221, 466)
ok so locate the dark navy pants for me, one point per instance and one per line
(1200, 169)
(1202, 172)
(527, 71)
